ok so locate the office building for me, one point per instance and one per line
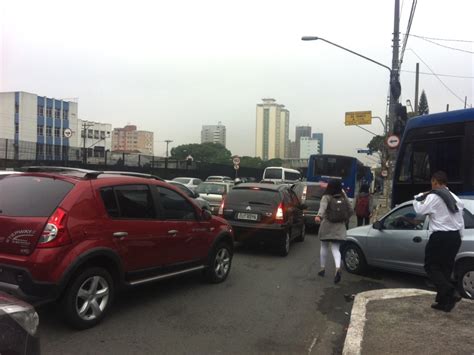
(272, 130)
(320, 138)
(129, 140)
(213, 134)
(33, 127)
(96, 137)
(309, 146)
(301, 131)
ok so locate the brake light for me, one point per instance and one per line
(221, 208)
(303, 196)
(55, 233)
(279, 213)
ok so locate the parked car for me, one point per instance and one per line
(191, 194)
(310, 193)
(4, 173)
(18, 327)
(189, 182)
(78, 236)
(265, 212)
(216, 178)
(214, 192)
(398, 240)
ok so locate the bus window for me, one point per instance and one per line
(330, 166)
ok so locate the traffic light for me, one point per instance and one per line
(400, 120)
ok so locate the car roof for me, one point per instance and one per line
(250, 185)
(9, 172)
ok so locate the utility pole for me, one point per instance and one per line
(417, 82)
(85, 126)
(395, 91)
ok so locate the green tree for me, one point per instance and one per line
(423, 107)
(251, 162)
(376, 144)
(204, 152)
(272, 162)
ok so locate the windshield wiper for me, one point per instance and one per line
(258, 203)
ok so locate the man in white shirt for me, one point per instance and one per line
(446, 223)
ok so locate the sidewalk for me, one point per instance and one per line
(401, 321)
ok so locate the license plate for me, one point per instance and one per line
(248, 216)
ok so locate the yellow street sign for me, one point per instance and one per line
(358, 118)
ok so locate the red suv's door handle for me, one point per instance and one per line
(120, 234)
(173, 232)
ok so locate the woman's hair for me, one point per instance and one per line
(334, 187)
(364, 188)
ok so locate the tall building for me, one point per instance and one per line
(129, 140)
(309, 146)
(301, 131)
(320, 138)
(213, 134)
(272, 130)
(34, 126)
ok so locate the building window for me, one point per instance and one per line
(40, 130)
(17, 108)
(83, 133)
(90, 133)
(56, 131)
(39, 151)
(49, 151)
(102, 134)
(57, 113)
(49, 133)
(57, 151)
(49, 112)
(40, 110)
(266, 126)
(96, 134)
(17, 128)
(65, 114)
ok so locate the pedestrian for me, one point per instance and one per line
(446, 223)
(334, 212)
(363, 206)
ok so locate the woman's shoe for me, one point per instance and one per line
(337, 278)
(321, 273)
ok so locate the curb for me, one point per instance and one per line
(355, 332)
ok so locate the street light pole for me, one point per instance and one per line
(167, 141)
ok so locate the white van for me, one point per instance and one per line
(281, 175)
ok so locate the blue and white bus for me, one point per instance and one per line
(324, 167)
(440, 141)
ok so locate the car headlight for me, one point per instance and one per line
(28, 319)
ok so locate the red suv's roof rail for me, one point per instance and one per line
(88, 174)
(132, 173)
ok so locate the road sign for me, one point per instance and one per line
(384, 173)
(67, 133)
(236, 166)
(358, 118)
(364, 151)
(236, 160)
(393, 141)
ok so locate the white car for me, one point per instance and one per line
(4, 173)
(397, 242)
(189, 182)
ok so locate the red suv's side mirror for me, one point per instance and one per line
(206, 214)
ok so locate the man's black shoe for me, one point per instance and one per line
(447, 307)
(456, 297)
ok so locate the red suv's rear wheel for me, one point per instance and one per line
(88, 298)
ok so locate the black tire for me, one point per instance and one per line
(354, 259)
(220, 262)
(301, 237)
(94, 283)
(285, 240)
(465, 276)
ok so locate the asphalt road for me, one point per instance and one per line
(269, 304)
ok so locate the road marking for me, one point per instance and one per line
(355, 333)
(313, 344)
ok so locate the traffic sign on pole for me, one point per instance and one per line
(67, 133)
(393, 141)
(236, 160)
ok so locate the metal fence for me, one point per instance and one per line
(16, 155)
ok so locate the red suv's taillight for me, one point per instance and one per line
(55, 233)
(279, 216)
(221, 208)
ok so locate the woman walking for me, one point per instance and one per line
(334, 212)
(363, 206)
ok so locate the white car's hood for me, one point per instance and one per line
(364, 230)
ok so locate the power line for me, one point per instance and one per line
(437, 77)
(446, 75)
(444, 46)
(410, 22)
(442, 39)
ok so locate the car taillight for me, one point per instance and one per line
(303, 196)
(55, 233)
(279, 213)
(221, 208)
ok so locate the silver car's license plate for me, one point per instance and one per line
(247, 216)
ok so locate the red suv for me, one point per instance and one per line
(78, 236)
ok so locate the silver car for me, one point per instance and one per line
(214, 193)
(398, 240)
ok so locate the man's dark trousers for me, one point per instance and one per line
(440, 253)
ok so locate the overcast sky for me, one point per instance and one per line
(172, 66)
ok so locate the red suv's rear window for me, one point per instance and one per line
(31, 196)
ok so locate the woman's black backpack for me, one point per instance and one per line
(338, 210)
